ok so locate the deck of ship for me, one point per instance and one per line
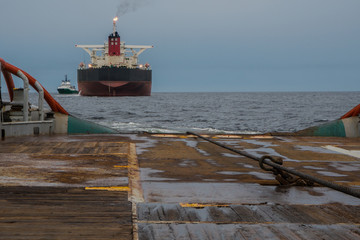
(174, 187)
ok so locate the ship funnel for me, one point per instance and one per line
(114, 41)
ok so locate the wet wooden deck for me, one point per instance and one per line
(63, 213)
(174, 187)
(64, 188)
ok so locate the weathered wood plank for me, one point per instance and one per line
(58, 213)
(306, 214)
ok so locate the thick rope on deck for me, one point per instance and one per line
(344, 189)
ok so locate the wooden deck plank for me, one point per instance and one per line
(43, 196)
(306, 214)
(42, 212)
(47, 209)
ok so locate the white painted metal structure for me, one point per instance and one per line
(32, 120)
(26, 95)
(25, 99)
(99, 55)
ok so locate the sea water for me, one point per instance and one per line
(240, 112)
(228, 113)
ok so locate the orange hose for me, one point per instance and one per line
(54, 105)
(9, 83)
(352, 113)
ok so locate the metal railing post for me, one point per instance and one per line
(41, 100)
(26, 95)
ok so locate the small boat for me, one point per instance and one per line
(66, 88)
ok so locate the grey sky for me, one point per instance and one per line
(202, 45)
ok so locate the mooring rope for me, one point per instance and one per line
(348, 190)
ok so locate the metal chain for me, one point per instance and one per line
(266, 160)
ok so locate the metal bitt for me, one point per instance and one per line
(282, 172)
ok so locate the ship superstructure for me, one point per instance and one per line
(114, 69)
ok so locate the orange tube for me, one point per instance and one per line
(9, 83)
(352, 113)
(54, 105)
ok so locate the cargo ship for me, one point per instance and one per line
(114, 69)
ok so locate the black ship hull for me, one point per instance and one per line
(114, 81)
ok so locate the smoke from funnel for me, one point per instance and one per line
(127, 6)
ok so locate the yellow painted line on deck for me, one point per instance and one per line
(119, 189)
(201, 205)
(121, 166)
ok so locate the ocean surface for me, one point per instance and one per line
(241, 112)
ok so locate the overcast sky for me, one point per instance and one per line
(199, 45)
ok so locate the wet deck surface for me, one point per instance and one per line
(63, 213)
(64, 188)
(174, 187)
